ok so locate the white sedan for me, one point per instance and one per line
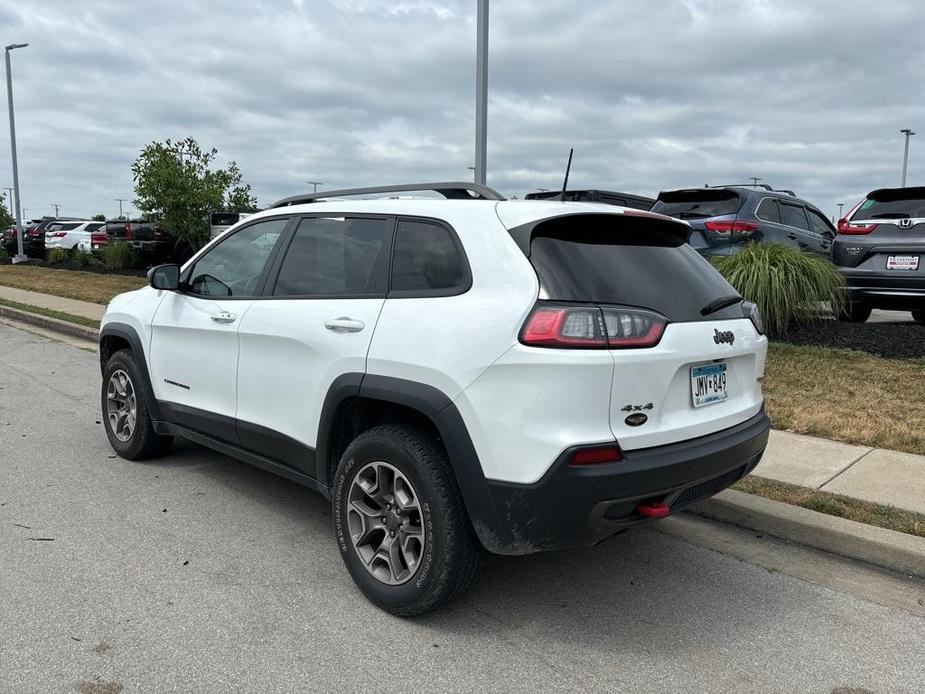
(69, 235)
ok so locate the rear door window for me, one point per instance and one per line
(335, 257)
(698, 204)
(819, 224)
(608, 259)
(793, 216)
(904, 203)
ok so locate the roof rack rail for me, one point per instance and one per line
(742, 185)
(453, 190)
(787, 191)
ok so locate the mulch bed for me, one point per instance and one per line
(891, 340)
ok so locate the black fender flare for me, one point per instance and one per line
(440, 410)
(130, 335)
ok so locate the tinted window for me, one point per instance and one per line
(426, 259)
(233, 267)
(768, 211)
(614, 261)
(94, 226)
(819, 224)
(70, 226)
(695, 204)
(893, 204)
(793, 216)
(334, 256)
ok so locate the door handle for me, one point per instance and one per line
(224, 317)
(344, 325)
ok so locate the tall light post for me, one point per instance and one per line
(20, 255)
(908, 133)
(120, 201)
(840, 206)
(481, 93)
(56, 205)
(315, 185)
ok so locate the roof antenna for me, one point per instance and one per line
(568, 167)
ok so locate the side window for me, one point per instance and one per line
(767, 210)
(819, 224)
(793, 216)
(234, 266)
(427, 260)
(335, 256)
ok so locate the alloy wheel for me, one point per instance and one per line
(121, 407)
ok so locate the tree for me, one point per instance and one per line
(98, 217)
(176, 185)
(6, 219)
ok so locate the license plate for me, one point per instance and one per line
(902, 262)
(708, 384)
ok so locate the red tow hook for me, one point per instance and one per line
(659, 509)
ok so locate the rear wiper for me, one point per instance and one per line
(890, 215)
(720, 303)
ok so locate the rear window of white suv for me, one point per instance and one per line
(609, 259)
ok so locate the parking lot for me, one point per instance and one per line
(198, 573)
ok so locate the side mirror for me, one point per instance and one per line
(164, 277)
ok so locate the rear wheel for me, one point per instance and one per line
(125, 410)
(400, 522)
(856, 312)
(919, 316)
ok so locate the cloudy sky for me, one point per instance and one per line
(652, 95)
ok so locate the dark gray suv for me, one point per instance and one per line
(880, 249)
(725, 218)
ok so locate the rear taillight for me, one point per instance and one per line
(854, 228)
(732, 228)
(58, 234)
(128, 231)
(596, 455)
(592, 327)
(99, 238)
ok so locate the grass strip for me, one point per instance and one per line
(94, 287)
(49, 313)
(847, 396)
(881, 516)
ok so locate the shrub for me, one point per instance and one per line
(58, 255)
(82, 258)
(4, 256)
(119, 256)
(788, 285)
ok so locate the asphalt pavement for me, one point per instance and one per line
(197, 573)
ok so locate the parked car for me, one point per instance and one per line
(148, 238)
(9, 236)
(220, 222)
(455, 375)
(725, 218)
(609, 197)
(880, 249)
(69, 235)
(34, 237)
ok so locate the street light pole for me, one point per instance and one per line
(315, 185)
(755, 180)
(481, 93)
(120, 201)
(20, 255)
(56, 205)
(908, 133)
(840, 206)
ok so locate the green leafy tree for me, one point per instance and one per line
(177, 184)
(6, 219)
(98, 218)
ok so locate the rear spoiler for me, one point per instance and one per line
(894, 194)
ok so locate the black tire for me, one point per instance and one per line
(451, 556)
(919, 316)
(142, 442)
(856, 313)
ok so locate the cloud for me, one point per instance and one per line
(652, 96)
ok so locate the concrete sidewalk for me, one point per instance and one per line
(871, 474)
(84, 309)
(881, 476)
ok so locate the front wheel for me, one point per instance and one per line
(125, 410)
(400, 521)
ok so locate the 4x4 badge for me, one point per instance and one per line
(724, 336)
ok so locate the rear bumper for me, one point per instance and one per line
(892, 290)
(577, 506)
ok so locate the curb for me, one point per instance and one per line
(53, 324)
(888, 549)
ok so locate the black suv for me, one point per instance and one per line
(725, 218)
(609, 197)
(880, 249)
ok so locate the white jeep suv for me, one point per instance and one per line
(453, 374)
